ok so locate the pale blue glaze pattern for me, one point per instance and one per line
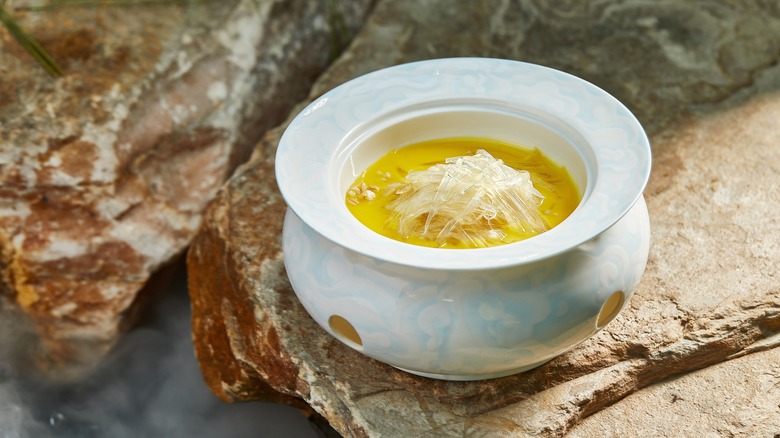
(314, 143)
(465, 314)
(464, 325)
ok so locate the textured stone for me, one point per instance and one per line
(104, 172)
(703, 80)
(735, 398)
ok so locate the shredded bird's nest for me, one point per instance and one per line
(473, 199)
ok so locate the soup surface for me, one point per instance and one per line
(374, 197)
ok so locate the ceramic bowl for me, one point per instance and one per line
(465, 314)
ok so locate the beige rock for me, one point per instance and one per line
(703, 83)
(734, 398)
(104, 172)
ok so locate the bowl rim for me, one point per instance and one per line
(310, 148)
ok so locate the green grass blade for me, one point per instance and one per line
(29, 43)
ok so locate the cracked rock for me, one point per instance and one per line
(105, 172)
(704, 85)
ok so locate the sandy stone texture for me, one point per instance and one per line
(738, 397)
(105, 172)
(704, 80)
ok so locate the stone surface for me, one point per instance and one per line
(739, 397)
(704, 80)
(105, 172)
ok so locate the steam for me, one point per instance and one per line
(149, 386)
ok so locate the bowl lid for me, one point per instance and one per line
(314, 140)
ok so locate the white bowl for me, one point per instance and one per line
(465, 314)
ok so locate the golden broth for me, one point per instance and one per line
(560, 193)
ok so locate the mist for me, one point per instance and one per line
(150, 385)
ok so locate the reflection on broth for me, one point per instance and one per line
(462, 193)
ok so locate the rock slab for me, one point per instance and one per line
(105, 172)
(704, 82)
